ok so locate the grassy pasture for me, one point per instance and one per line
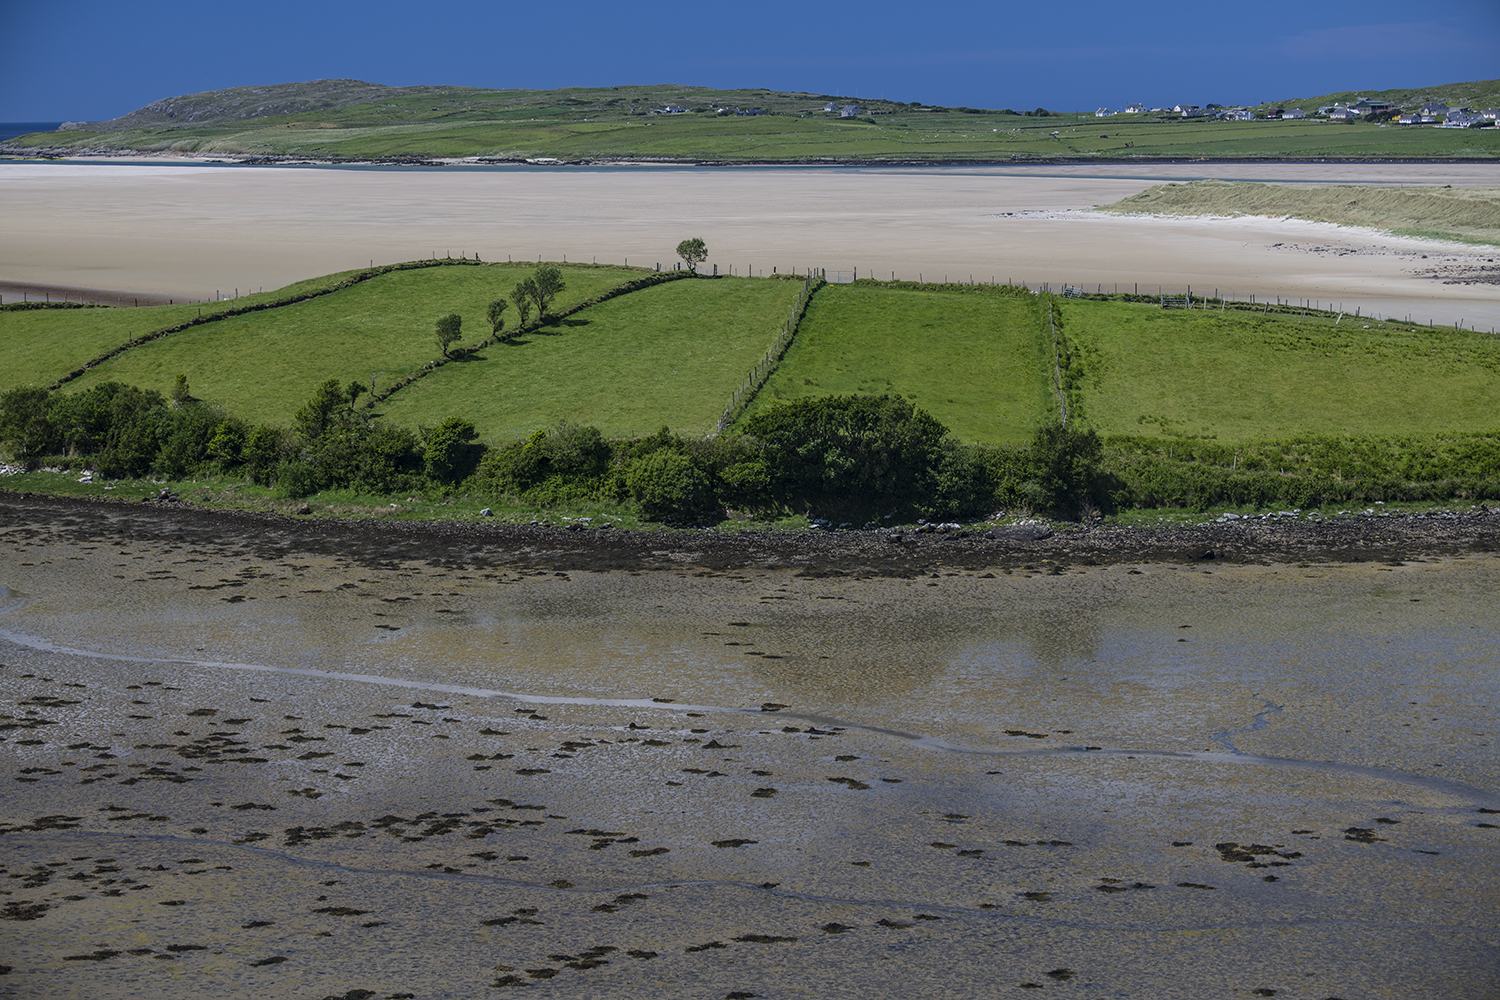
(1469, 214)
(262, 366)
(938, 135)
(669, 355)
(39, 346)
(1238, 377)
(971, 357)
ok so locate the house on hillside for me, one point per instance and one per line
(1104, 113)
(1461, 118)
(1343, 115)
(1293, 113)
(830, 106)
(1490, 114)
(1136, 109)
(849, 111)
(1187, 110)
(743, 112)
(1368, 106)
(1433, 108)
(1239, 115)
(1410, 118)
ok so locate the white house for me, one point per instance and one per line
(1293, 113)
(849, 111)
(1343, 115)
(1490, 114)
(1136, 109)
(1461, 118)
(1240, 115)
(1434, 108)
(1410, 118)
(830, 106)
(1104, 113)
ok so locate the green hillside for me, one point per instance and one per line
(976, 357)
(262, 365)
(351, 120)
(670, 355)
(1476, 94)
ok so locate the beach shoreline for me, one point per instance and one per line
(882, 552)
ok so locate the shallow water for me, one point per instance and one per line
(453, 775)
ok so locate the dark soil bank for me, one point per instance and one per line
(875, 553)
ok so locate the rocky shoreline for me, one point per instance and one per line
(1369, 538)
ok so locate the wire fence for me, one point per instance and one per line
(753, 383)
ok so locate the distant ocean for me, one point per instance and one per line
(9, 130)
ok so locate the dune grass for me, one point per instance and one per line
(1237, 377)
(668, 355)
(969, 356)
(1466, 214)
(262, 366)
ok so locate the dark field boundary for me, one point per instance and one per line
(853, 553)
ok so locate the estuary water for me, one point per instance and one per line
(238, 765)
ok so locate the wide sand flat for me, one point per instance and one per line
(197, 230)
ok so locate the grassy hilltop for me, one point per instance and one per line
(350, 119)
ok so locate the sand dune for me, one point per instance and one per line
(197, 230)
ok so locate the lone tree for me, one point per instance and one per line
(546, 283)
(449, 331)
(496, 314)
(522, 294)
(693, 252)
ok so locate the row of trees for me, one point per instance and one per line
(534, 292)
(537, 292)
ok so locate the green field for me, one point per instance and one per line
(1238, 377)
(1467, 214)
(971, 357)
(263, 365)
(583, 124)
(975, 357)
(669, 355)
(39, 346)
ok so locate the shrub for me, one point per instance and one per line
(1064, 465)
(851, 458)
(296, 479)
(669, 487)
(450, 456)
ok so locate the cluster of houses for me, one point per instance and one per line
(1432, 113)
(847, 111)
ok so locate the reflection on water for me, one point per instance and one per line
(1051, 759)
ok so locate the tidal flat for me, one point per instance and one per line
(273, 764)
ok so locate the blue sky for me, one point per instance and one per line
(90, 59)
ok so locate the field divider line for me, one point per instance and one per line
(625, 288)
(761, 373)
(359, 277)
(1062, 397)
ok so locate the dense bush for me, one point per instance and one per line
(669, 486)
(850, 458)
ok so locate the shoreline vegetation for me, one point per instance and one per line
(349, 121)
(973, 405)
(1463, 215)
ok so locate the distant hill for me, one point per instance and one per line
(1476, 94)
(356, 103)
(356, 121)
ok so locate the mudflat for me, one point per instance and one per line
(250, 755)
(201, 230)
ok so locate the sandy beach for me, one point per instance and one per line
(202, 230)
